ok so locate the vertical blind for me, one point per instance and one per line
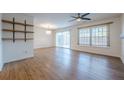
(63, 39)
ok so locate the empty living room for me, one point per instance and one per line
(62, 46)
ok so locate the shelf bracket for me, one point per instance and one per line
(13, 29)
(25, 31)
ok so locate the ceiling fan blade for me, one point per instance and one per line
(85, 14)
(73, 16)
(85, 18)
(72, 20)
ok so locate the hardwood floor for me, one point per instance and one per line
(64, 64)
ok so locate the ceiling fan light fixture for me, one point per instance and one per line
(79, 19)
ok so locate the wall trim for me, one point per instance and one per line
(19, 59)
(44, 47)
(122, 59)
(1, 66)
(96, 53)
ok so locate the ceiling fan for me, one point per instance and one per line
(80, 17)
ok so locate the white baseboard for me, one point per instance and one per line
(122, 59)
(1, 67)
(15, 60)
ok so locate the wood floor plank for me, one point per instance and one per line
(64, 64)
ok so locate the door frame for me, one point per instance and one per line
(69, 38)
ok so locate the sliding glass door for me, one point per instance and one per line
(63, 39)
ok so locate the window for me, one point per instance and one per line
(84, 36)
(59, 38)
(94, 36)
(63, 39)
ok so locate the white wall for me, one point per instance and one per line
(1, 63)
(20, 49)
(122, 52)
(41, 39)
(115, 41)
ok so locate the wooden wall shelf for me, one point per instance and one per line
(10, 30)
(18, 31)
(18, 23)
(17, 39)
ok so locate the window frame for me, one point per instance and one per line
(79, 38)
(91, 45)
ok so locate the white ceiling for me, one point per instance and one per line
(60, 20)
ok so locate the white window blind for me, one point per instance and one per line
(94, 36)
